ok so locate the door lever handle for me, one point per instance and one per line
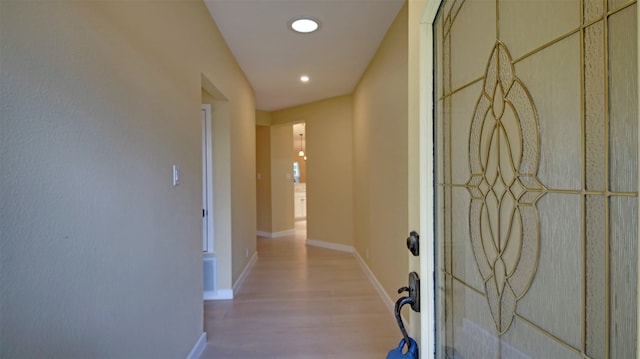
(398, 308)
(412, 299)
(414, 291)
(403, 289)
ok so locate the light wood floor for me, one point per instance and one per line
(301, 302)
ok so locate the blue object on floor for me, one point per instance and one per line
(412, 352)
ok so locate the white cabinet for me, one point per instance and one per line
(300, 200)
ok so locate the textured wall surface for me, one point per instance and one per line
(100, 255)
(263, 170)
(381, 159)
(282, 214)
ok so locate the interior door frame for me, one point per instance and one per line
(207, 180)
(426, 169)
(427, 179)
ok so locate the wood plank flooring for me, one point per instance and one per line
(301, 302)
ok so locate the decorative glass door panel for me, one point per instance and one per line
(537, 189)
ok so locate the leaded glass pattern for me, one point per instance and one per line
(549, 110)
(504, 148)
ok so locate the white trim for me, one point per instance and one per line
(289, 232)
(388, 302)
(638, 264)
(207, 185)
(198, 348)
(245, 271)
(426, 170)
(329, 245)
(638, 113)
(220, 294)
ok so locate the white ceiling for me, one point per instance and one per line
(274, 57)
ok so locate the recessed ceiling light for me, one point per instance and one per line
(304, 25)
(304, 78)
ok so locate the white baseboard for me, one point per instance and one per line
(329, 245)
(245, 271)
(220, 294)
(388, 302)
(199, 347)
(289, 232)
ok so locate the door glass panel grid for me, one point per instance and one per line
(606, 234)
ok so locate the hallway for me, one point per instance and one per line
(301, 302)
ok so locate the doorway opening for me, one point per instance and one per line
(216, 155)
(300, 179)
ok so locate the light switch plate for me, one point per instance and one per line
(176, 175)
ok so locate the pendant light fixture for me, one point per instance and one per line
(301, 153)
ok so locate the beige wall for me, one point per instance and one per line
(380, 182)
(329, 166)
(101, 255)
(263, 171)
(263, 118)
(243, 184)
(282, 210)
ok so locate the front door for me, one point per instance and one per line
(536, 142)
